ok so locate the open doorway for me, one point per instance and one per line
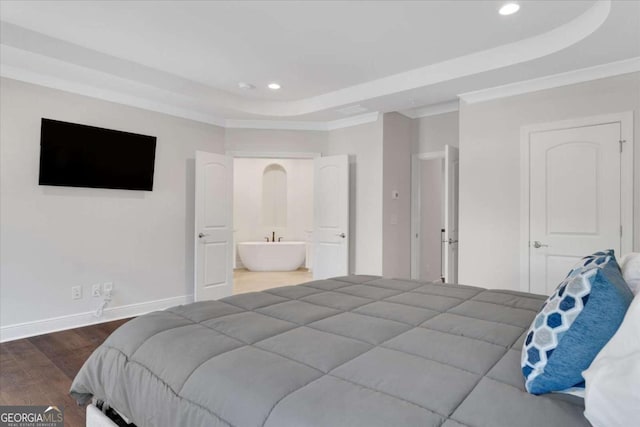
(429, 233)
(434, 250)
(272, 222)
(431, 219)
(298, 222)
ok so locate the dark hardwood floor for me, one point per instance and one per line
(39, 370)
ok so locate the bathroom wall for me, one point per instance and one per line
(275, 141)
(247, 206)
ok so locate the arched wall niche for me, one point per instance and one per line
(274, 196)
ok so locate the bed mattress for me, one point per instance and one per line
(349, 351)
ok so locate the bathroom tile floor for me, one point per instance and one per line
(252, 281)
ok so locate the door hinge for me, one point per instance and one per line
(622, 141)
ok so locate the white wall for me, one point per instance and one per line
(363, 144)
(53, 238)
(272, 141)
(398, 135)
(490, 169)
(247, 212)
(434, 132)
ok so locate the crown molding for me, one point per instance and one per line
(90, 91)
(518, 52)
(130, 78)
(139, 100)
(52, 82)
(36, 58)
(556, 80)
(352, 121)
(431, 110)
(302, 125)
(274, 124)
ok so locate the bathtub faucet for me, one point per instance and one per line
(267, 238)
(273, 236)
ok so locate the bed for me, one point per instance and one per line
(349, 351)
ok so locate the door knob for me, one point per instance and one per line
(201, 235)
(341, 235)
(538, 245)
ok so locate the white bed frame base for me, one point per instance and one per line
(95, 418)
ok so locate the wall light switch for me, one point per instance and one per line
(96, 290)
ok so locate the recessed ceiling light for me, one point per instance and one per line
(274, 86)
(244, 85)
(509, 8)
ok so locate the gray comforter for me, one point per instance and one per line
(350, 351)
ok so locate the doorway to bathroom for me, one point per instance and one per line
(272, 220)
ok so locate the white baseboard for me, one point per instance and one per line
(54, 324)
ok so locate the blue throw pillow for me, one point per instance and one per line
(573, 325)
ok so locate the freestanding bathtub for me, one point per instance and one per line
(272, 256)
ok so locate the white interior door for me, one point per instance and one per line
(331, 217)
(574, 198)
(427, 218)
(214, 226)
(451, 173)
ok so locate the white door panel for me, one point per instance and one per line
(331, 217)
(451, 173)
(572, 188)
(574, 199)
(558, 266)
(329, 210)
(427, 214)
(215, 183)
(213, 226)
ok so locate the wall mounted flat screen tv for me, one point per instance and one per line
(74, 155)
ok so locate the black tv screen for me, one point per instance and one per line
(74, 155)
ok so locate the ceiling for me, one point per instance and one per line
(187, 57)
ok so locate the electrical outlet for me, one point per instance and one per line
(96, 290)
(76, 292)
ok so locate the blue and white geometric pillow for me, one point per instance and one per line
(573, 325)
(598, 259)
